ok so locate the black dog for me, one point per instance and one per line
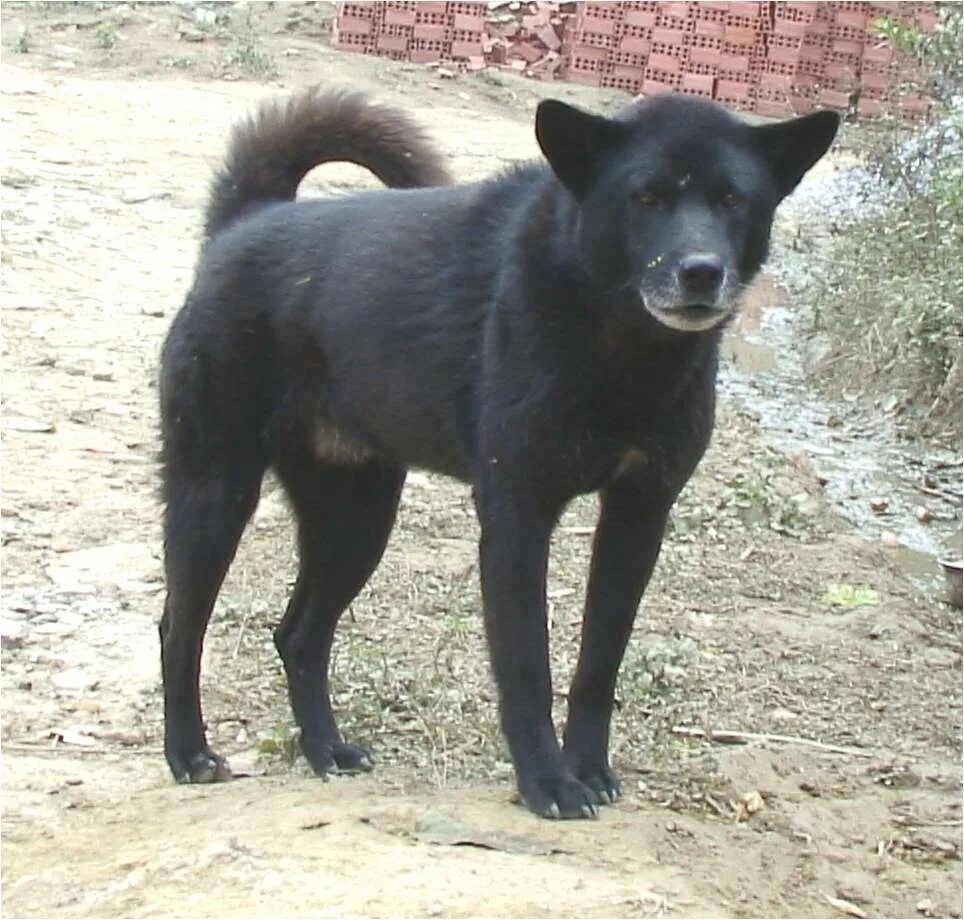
(550, 332)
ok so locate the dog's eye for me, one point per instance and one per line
(732, 200)
(648, 197)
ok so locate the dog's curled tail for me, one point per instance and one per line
(272, 151)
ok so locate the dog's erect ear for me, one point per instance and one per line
(792, 147)
(573, 140)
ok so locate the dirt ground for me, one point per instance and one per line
(768, 613)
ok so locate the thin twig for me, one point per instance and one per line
(723, 736)
(946, 495)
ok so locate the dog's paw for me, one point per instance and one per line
(201, 767)
(337, 757)
(597, 775)
(560, 796)
(604, 782)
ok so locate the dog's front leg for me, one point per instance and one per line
(514, 554)
(627, 542)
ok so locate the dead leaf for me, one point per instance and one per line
(28, 423)
(443, 830)
(846, 907)
(79, 735)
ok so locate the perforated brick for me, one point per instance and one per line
(623, 77)
(693, 84)
(630, 44)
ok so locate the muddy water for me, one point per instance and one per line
(859, 457)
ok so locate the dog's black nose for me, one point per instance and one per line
(701, 274)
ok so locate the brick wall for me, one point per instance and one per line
(773, 58)
(422, 32)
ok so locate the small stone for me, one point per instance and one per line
(74, 680)
(782, 715)
(753, 802)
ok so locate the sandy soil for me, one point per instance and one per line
(767, 615)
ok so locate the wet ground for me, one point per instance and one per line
(771, 614)
(907, 496)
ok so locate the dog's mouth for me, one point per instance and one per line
(688, 317)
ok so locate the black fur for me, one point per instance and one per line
(550, 332)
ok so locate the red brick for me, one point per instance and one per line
(651, 87)
(709, 29)
(399, 17)
(697, 85)
(853, 19)
(834, 99)
(418, 56)
(629, 59)
(777, 69)
(709, 57)
(733, 90)
(634, 45)
(358, 10)
(641, 18)
(602, 10)
(669, 37)
(878, 54)
(354, 25)
(834, 71)
(587, 59)
(847, 47)
(351, 41)
(734, 64)
(789, 28)
(774, 108)
(392, 42)
(468, 23)
(742, 37)
(802, 10)
(674, 15)
(430, 33)
(872, 108)
(666, 63)
(469, 9)
(599, 26)
(775, 84)
(468, 49)
(750, 10)
(786, 51)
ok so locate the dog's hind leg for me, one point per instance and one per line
(204, 517)
(345, 514)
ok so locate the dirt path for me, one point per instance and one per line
(767, 614)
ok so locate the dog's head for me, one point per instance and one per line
(676, 199)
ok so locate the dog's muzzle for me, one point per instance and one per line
(697, 296)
